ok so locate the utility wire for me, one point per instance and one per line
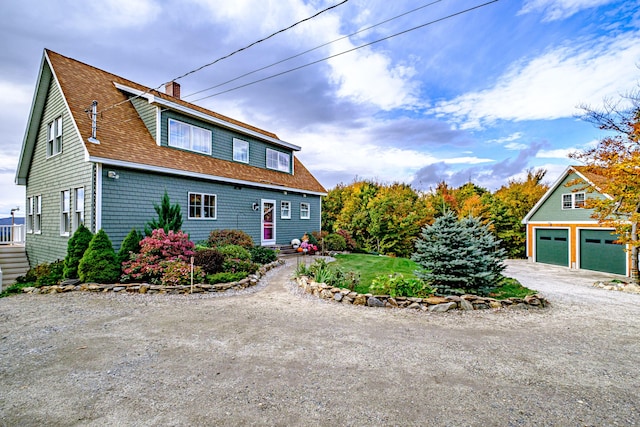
(314, 48)
(230, 54)
(347, 51)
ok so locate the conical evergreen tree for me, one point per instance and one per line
(99, 262)
(130, 244)
(76, 247)
(459, 255)
(169, 217)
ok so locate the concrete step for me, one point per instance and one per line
(13, 263)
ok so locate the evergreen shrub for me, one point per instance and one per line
(130, 245)
(225, 277)
(99, 263)
(169, 217)
(396, 285)
(229, 237)
(76, 247)
(335, 242)
(263, 255)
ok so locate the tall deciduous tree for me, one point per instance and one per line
(616, 159)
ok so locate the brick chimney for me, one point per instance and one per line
(172, 89)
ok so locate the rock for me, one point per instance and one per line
(338, 296)
(441, 308)
(453, 298)
(360, 300)
(412, 299)
(414, 306)
(392, 302)
(374, 302)
(68, 288)
(70, 282)
(496, 304)
(352, 295)
(143, 289)
(480, 306)
(54, 289)
(435, 300)
(28, 290)
(347, 300)
(465, 305)
(326, 294)
(519, 306)
(531, 300)
(118, 288)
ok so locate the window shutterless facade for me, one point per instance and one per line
(285, 210)
(189, 137)
(278, 160)
(37, 214)
(30, 215)
(65, 212)
(573, 200)
(240, 150)
(305, 210)
(202, 206)
(54, 137)
(78, 217)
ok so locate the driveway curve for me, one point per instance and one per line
(273, 356)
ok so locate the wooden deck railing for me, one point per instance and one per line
(12, 234)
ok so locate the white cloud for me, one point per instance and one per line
(513, 137)
(515, 146)
(559, 9)
(469, 160)
(560, 153)
(553, 84)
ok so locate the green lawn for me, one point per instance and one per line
(370, 266)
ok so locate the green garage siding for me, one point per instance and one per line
(598, 252)
(552, 246)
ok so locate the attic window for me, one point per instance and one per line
(189, 137)
(573, 201)
(278, 160)
(54, 137)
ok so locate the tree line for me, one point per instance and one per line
(387, 218)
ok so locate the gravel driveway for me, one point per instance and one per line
(271, 356)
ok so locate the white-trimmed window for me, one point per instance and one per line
(202, 206)
(278, 160)
(285, 210)
(54, 137)
(189, 137)
(65, 212)
(30, 215)
(573, 201)
(305, 210)
(78, 215)
(37, 214)
(240, 150)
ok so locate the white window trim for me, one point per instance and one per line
(240, 142)
(191, 127)
(198, 218)
(56, 140)
(573, 200)
(37, 214)
(63, 212)
(280, 156)
(282, 210)
(308, 215)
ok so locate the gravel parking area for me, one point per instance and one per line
(272, 356)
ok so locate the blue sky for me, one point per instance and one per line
(482, 96)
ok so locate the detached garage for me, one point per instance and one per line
(561, 231)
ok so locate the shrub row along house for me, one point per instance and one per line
(107, 170)
(561, 231)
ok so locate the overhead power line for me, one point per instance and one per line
(348, 51)
(230, 54)
(314, 48)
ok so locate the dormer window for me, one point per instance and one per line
(278, 160)
(189, 137)
(573, 201)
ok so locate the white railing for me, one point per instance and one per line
(12, 234)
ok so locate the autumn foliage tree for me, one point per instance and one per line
(616, 159)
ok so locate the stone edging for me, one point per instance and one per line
(146, 288)
(618, 286)
(434, 303)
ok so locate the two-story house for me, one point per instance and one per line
(561, 231)
(101, 150)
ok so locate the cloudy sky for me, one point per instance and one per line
(479, 95)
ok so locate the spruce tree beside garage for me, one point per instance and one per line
(459, 256)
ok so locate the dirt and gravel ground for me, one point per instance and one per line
(271, 356)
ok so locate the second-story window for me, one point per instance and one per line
(54, 137)
(189, 137)
(240, 150)
(278, 160)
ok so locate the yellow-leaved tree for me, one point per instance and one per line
(615, 162)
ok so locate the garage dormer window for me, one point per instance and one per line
(278, 160)
(189, 137)
(573, 201)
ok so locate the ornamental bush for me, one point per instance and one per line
(160, 246)
(396, 285)
(234, 252)
(219, 238)
(335, 242)
(76, 247)
(210, 260)
(225, 277)
(48, 274)
(177, 272)
(169, 217)
(263, 255)
(349, 241)
(99, 263)
(459, 256)
(130, 245)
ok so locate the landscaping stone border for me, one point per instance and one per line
(146, 288)
(432, 304)
(618, 286)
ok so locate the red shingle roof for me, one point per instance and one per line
(124, 137)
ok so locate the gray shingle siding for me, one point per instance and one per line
(127, 202)
(48, 177)
(148, 114)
